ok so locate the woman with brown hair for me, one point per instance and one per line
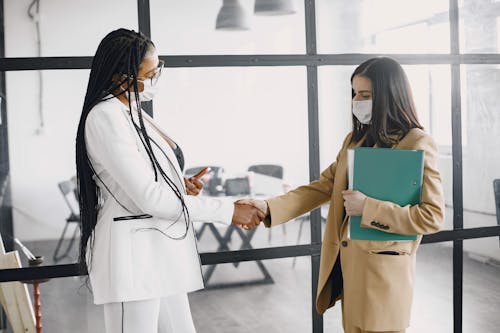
(373, 279)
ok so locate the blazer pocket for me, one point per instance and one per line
(132, 217)
(392, 252)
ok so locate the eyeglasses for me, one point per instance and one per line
(157, 73)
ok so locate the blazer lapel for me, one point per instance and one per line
(165, 146)
(162, 143)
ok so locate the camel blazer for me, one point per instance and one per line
(133, 259)
(376, 289)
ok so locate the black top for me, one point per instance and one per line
(177, 151)
(180, 156)
(368, 142)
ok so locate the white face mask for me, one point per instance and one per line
(149, 90)
(147, 93)
(363, 111)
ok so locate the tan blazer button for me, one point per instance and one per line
(344, 243)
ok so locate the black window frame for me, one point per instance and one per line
(311, 60)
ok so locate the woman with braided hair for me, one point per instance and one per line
(137, 240)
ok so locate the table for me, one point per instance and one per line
(223, 240)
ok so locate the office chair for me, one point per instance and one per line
(68, 190)
(239, 186)
(234, 187)
(496, 190)
(272, 170)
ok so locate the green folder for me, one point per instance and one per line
(385, 174)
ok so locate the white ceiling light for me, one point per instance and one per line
(274, 7)
(232, 16)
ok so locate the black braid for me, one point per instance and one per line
(120, 52)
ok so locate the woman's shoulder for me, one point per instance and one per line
(417, 138)
(107, 105)
(416, 134)
(107, 119)
(347, 139)
(106, 110)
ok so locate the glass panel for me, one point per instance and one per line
(481, 285)
(388, 26)
(235, 118)
(243, 309)
(481, 130)
(67, 28)
(335, 119)
(431, 87)
(188, 27)
(43, 156)
(39, 208)
(433, 293)
(479, 26)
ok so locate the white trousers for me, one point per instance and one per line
(160, 315)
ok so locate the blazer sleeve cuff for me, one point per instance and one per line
(274, 217)
(267, 221)
(370, 212)
(227, 211)
(212, 210)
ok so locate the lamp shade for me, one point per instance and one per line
(232, 16)
(274, 7)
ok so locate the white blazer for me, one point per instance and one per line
(131, 259)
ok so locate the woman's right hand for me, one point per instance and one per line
(259, 204)
(247, 216)
(193, 185)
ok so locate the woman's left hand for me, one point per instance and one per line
(354, 202)
(193, 185)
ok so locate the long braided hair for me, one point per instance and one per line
(114, 72)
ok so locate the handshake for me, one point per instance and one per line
(248, 213)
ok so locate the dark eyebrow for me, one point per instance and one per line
(364, 91)
(153, 68)
(151, 71)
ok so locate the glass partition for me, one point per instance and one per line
(250, 126)
(189, 27)
(383, 26)
(480, 138)
(65, 28)
(481, 285)
(42, 132)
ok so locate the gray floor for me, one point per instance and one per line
(285, 305)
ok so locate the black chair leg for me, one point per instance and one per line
(71, 242)
(302, 220)
(56, 257)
